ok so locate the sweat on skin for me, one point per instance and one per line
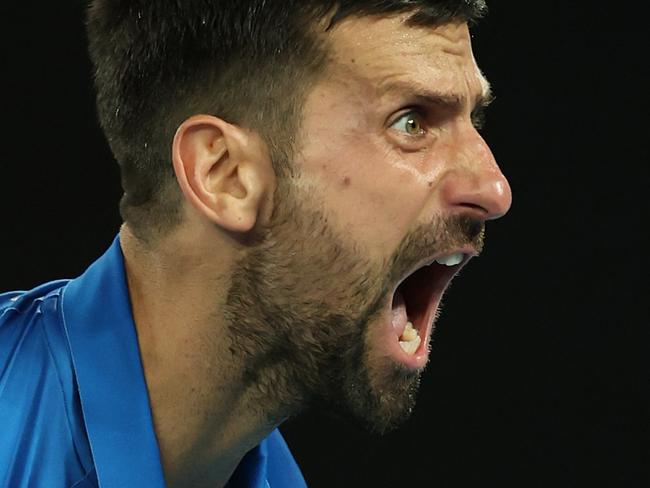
(276, 293)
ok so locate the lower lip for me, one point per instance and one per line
(420, 358)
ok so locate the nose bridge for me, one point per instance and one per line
(474, 182)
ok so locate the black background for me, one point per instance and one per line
(539, 371)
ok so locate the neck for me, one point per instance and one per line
(205, 415)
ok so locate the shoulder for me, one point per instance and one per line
(15, 304)
(22, 314)
(43, 435)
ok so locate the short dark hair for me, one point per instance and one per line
(249, 62)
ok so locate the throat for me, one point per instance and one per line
(208, 445)
(205, 419)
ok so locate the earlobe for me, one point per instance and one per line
(223, 172)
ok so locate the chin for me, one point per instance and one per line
(377, 396)
(390, 400)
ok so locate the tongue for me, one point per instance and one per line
(399, 313)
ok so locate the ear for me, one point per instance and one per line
(224, 171)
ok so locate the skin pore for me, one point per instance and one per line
(272, 294)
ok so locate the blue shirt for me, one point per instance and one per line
(74, 406)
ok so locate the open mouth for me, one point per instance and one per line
(415, 305)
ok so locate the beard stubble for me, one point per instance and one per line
(301, 310)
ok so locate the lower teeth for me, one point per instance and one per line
(410, 340)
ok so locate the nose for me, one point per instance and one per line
(474, 184)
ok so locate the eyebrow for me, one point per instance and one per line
(451, 101)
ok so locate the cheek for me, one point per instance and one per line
(369, 193)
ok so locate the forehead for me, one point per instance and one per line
(384, 53)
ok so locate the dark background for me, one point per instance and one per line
(539, 371)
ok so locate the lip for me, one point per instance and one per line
(445, 275)
(468, 252)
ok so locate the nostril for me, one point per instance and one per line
(473, 213)
(474, 207)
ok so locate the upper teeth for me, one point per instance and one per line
(451, 260)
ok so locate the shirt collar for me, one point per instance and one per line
(112, 389)
(114, 399)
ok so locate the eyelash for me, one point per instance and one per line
(413, 111)
(478, 117)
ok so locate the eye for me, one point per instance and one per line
(411, 123)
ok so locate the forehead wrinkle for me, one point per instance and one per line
(383, 79)
(367, 56)
(393, 37)
(376, 57)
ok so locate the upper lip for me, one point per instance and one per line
(468, 252)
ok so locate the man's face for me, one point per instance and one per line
(391, 174)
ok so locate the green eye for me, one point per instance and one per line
(410, 123)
